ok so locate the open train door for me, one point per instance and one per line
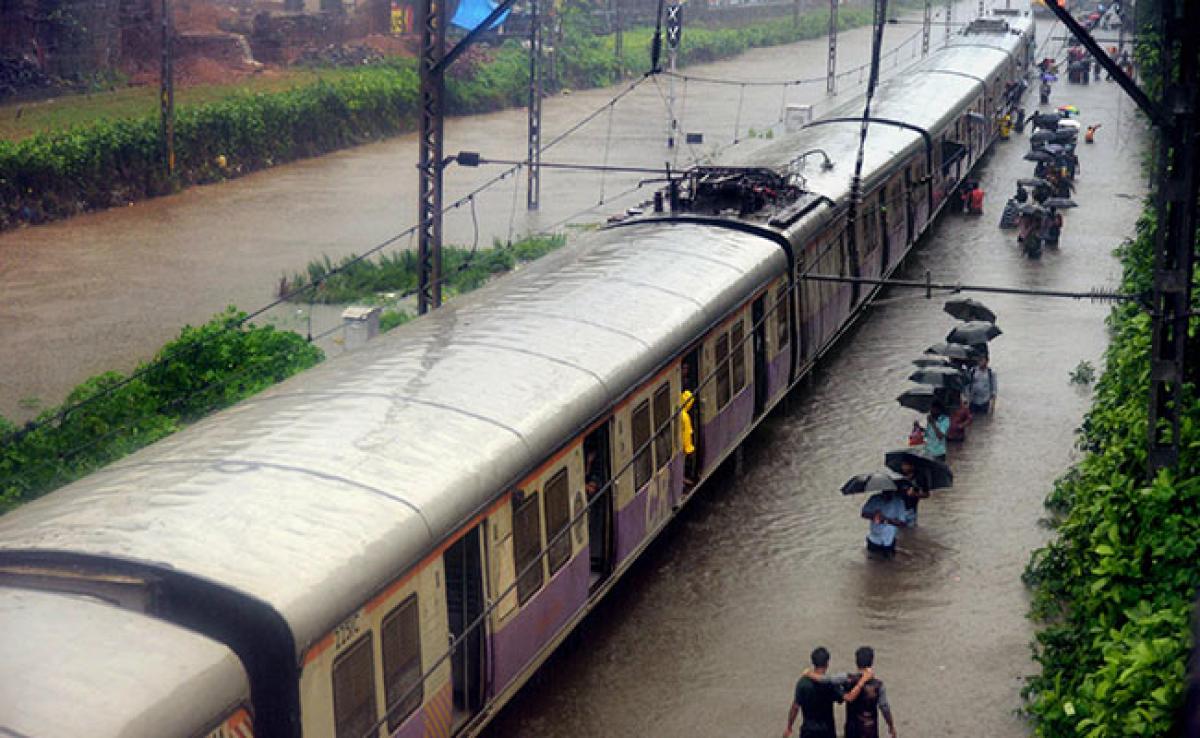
(464, 604)
(757, 318)
(597, 453)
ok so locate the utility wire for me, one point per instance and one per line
(292, 294)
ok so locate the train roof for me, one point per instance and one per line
(312, 494)
(74, 666)
(924, 96)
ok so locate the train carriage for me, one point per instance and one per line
(75, 666)
(482, 476)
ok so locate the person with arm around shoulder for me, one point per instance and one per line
(867, 701)
(813, 701)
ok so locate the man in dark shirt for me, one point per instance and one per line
(815, 695)
(863, 707)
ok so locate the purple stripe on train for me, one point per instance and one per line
(435, 712)
(777, 372)
(721, 433)
(516, 644)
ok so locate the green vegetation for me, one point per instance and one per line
(1115, 589)
(463, 270)
(115, 160)
(204, 369)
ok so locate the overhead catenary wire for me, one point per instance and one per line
(290, 295)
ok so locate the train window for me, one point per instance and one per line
(527, 545)
(737, 349)
(722, 365)
(402, 685)
(781, 316)
(643, 464)
(558, 515)
(354, 690)
(662, 425)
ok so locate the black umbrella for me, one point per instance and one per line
(1054, 148)
(964, 308)
(1061, 203)
(1039, 156)
(878, 481)
(1033, 182)
(921, 397)
(1041, 136)
(932, 361)
(933, 473)
(953, 350)
(939, 376)
(972, 332)
(1064, 135)
(1030, 209)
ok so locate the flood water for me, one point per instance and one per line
(709, 633)
(106, 290)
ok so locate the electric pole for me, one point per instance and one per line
(167, 93)
(831, 70)
(674, 33)
(431, 21)
(926, 24)
(534, 192)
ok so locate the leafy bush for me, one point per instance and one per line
(206, 368)
(1115, 588)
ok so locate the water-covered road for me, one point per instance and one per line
(709, 633)
(105, 290)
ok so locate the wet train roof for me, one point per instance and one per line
(73, 666)
(921, 97)
(313, 493)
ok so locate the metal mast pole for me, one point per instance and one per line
(534, 192)
(950, 17)
(831, 71)
(429, 162)
(926, 24)
(167, 93)
(619, 34)
(674, 31)
(1178, 161)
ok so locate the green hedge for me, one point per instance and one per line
(113, 162)
(1114, 591)
(204, 369)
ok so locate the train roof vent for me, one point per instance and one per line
(986, 25)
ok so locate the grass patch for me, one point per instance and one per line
(394, 276)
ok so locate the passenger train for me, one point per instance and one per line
(392, 542)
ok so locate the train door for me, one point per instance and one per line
(910, 214)
(757, 319)
(597, 455)
(690, 367)
(464, 604)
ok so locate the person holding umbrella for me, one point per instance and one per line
(937, 426)
(886, 512)
(912, 490)
(982, 388)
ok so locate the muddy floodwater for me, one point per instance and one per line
(105, 290)
(708, 634)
